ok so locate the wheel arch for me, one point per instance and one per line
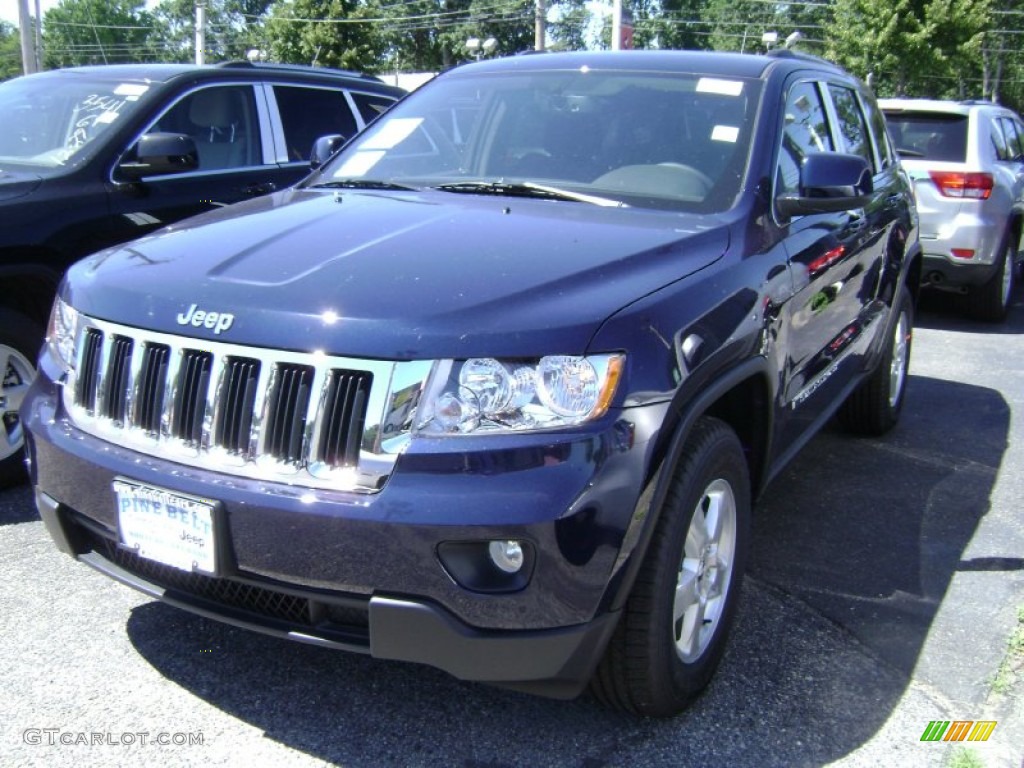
(27, 286)
(742, 398)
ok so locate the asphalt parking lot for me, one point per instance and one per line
(885, 583)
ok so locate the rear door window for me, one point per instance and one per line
(929, 135)
(1014, 140)
(308, 113)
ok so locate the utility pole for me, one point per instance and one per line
(616, 25)
(39, 39)
(28, 52)
(200, 32)
(540, 22)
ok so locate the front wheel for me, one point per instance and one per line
(874, 407)
(19, 342)
(673, 630)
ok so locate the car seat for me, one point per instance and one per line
(221, 140)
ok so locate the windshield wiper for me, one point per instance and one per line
(361, 184)
(527, 189)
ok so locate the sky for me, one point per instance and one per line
(9, 9)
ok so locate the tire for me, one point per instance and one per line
(659, 658)
(874, 407)
(991, 302)
(19, 343)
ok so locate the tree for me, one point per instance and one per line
(10, 51)
(737, 25)
(233, 27)
(332, 33)
(680, 25)
(78, 32)
(568, 30)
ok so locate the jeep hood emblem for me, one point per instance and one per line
(204, 318)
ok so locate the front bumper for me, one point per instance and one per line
(363, 572)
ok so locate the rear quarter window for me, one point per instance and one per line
(932, 136)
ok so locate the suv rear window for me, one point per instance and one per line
(929, 135)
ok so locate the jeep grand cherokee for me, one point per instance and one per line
(496, 388)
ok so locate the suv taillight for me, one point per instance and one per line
(973, 186)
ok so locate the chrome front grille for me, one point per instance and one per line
(306, 419)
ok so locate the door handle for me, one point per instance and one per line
(259, 189)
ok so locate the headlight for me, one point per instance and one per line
(483, 394)
(60, 334)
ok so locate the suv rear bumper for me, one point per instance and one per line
(966, 233)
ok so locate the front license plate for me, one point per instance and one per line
(167, 527)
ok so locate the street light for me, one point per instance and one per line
(480, 49)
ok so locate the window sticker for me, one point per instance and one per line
(131, 91)
(726, 133)
(721, 87)
(359, 164)
(393, 133)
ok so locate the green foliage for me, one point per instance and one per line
(10, 51)
(78, 32)
(568, 31)
(927, 48)
(233, 27)
(328, 33)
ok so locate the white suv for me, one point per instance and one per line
(967, 163)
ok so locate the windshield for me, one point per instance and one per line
(51, 122)
(643, 139)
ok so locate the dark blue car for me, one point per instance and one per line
(495, 388)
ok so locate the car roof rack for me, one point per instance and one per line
(245, 64)
(789, 53)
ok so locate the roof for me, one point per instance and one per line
(702, 62)
(162, 73)
(937, 105)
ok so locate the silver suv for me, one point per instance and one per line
(967, 163)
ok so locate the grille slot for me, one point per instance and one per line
(344, 417)
(286, 412)
(190, 399)
(115, 396)
(152, 385)
(236, 400)
(85, 390)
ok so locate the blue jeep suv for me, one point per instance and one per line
(495, 389)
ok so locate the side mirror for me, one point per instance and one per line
(829, 182)
(323, 148)
(158, 153)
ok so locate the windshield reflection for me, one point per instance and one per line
(53, 121)
(642, 139)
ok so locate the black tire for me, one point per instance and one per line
(649, 668)
(874, 407)
(20, 339)
(991, 302)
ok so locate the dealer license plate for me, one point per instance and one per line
(166, 527)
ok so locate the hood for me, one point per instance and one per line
(396, 275)
(15, 184)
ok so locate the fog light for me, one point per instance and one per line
(507, 555)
